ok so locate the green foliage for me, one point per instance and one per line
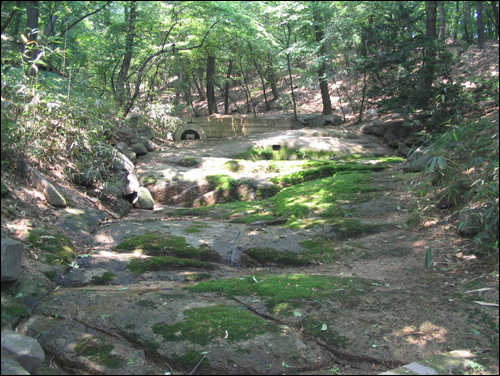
(467, 157)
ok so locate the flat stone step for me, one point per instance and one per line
(440, 364)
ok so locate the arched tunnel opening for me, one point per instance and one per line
(190, 135)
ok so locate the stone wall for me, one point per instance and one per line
(227, 126)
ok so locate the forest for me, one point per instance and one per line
(418, 247)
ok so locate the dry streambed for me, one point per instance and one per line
(324, 275)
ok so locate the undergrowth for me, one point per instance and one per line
(465, 168)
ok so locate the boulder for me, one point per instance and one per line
(121, 163)
(366, 129)
(23, 349)
(470, 222)
(317, 122)
(12, 252)
(132, 183)
(11, 367)
(417, 164)
(378, 128)
(41, 184)
(143, 199)
(333, 119)
(139, 149)
(150, 145)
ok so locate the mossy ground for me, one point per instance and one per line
(278, 288)
(104, 279)
(98, 351)
(59, 247)
(206, 324)
(158, 244)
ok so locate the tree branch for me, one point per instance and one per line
(88, 15)
(162, 51)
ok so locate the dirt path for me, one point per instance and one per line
(366, 303)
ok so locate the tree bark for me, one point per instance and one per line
(480, 26)
(495, 14)
(442, 20)
(127, 58)
(180, 83)
(323, 83)
(212, 105)
(466, 20)
(271, 76)
(430, 31)
(226, 88)
(32, 14)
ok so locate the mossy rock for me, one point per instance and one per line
(98, 351)
(159, 263)
(266, 256)
(59, 247)
(158, 244)
(202, 325)
(12, 312)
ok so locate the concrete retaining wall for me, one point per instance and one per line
(226, 126)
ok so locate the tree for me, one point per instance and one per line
(323, 83)
(430, 33)
(495, 14)
(127, 58)
(211, 100)
(442, 20)
(480, 25)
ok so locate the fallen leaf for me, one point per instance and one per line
(487, 304)
(479, 290)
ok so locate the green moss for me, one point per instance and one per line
(104, 279)
(329, 336)
(195, 227)
(233, 166)
(158, 244)
(51, 274)
(151, 346)
(322, 169)
(322, 196)
(156, 263)
(148, 180)
(58, 245)
(206, 324)
(274, 288)
(188, 162)
(265, 256)
(189, 359)
(98, 351)
(222, 182)
(147, 304)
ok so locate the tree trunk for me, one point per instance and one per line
(495, 14)
(323, 83)
(226, 88)
(430, 31)
(442, 20)
(271, 76)
(180, 83)
(466, 20)
(212, 105)
(127, 58)
(32, 14)
(480, 26)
